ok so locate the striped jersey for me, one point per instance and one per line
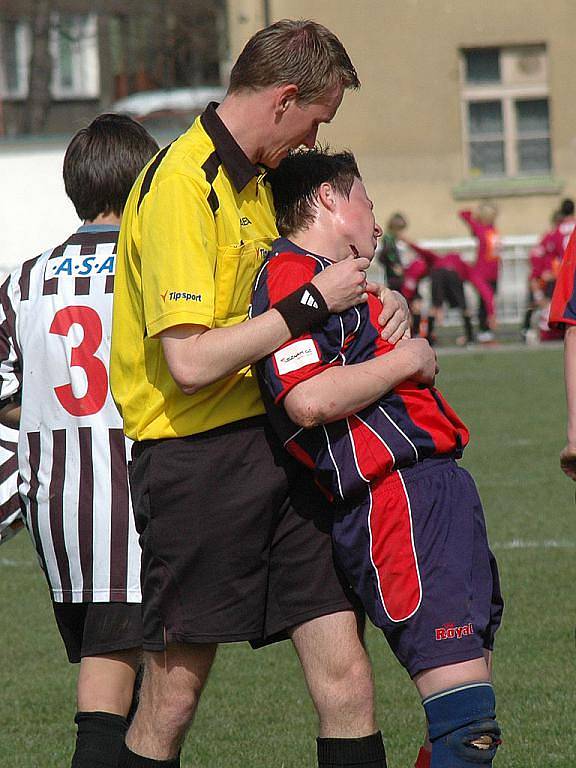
(403, 427)
(55, 321)
(10, 515)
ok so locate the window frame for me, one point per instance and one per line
(507, 94)
(23, 52)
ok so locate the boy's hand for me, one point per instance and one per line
(395, 315)
(568, 461)
(425, 363)
(343, 285)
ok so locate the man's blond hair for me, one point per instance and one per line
(301, 53)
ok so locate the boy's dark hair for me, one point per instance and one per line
(567, 207)
(102, 162)
(301, 53)
(296, 181)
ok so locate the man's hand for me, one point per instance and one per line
(568, 461)
(425, 363)
(395, 315)
(343, 285)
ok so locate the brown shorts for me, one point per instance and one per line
(93, 629)
(225, 556)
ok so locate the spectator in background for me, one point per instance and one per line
(389, 255)
(538, 256)
(55, 326)
(484, 273)
(563, 316)
(564, 228)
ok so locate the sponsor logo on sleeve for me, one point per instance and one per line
(296, 355)
(180, 296)
(452, 632)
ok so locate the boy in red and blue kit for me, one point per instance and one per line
(408, 530)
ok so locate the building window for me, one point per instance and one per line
(74, 46)
(14, 57)
(506, 111)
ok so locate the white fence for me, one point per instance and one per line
(513, 281)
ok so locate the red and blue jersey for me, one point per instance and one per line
(403, 427)
(563, 307)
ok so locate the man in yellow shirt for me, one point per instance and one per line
(225, 555)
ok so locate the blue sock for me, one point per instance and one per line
(462, 726)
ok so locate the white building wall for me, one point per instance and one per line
(35, 213)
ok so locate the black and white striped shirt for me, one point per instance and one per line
(55, 320)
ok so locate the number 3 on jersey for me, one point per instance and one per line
(83, 357)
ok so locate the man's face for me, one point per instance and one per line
(356, 222)
(298, 126)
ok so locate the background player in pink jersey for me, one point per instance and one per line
(55, 320)
(408, 526)
(485, 270)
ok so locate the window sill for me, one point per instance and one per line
(513, 187)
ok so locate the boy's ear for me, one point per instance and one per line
(327, 196)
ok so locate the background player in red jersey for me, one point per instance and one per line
(484, 272)
(563, 315)
(408, 526)
(55, 320)
(448, 272)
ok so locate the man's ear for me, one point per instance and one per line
(284, 95)
(326, 196)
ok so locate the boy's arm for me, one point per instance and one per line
(429, 256)
(339, 391)
(468, 218)
(10, 414)
(568, 454)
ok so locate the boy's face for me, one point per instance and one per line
(356, 222)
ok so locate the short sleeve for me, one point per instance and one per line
(307, 356)
(563, 306)
(179, 253)
(10, 363)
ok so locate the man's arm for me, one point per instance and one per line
(568, 454)
(10, 414)
(342, 390)
(197, 356)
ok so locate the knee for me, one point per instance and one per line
(169, 703)
(350, 683)
(462, 726)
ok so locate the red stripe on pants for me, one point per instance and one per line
(392, 549)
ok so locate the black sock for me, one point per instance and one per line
(366, 752)
(129, 759)
(431, 322)
(416, 318)
(98, 740)
(468, 330)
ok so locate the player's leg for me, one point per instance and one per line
(105, 691)
(339, 678)
(105, 639)
(306, 598)
(171, 688)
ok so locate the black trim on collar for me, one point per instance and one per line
(233, 158)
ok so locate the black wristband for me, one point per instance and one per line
(303, 309)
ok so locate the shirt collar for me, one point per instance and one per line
(99, 228)
(240, 169)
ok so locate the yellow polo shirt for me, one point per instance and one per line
(194, 233)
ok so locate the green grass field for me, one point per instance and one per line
(256, 712)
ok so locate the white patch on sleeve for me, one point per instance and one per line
(296, 355)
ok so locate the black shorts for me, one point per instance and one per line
(447, 287)
(93, 629)
(225, 555)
